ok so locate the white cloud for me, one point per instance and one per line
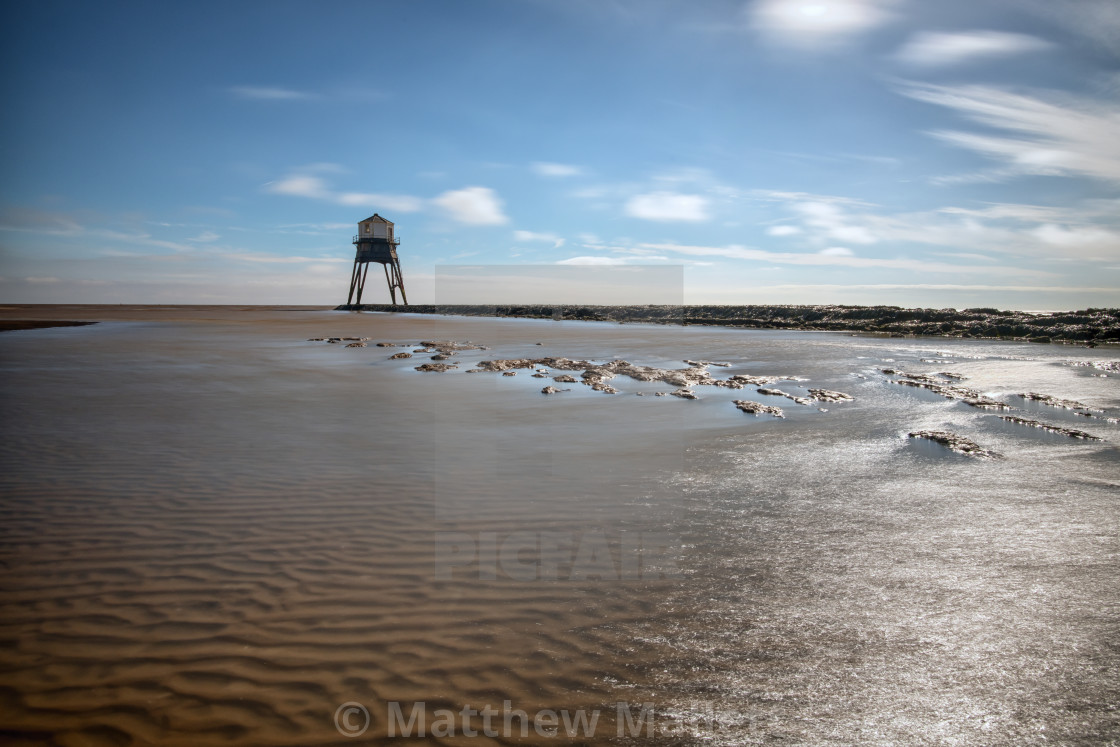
(833, 258)
(836, 251)
(811, 23)
(268, 93)
(300, 185)
(1066, 135)
(398, 203)
(932, 49)
(600, 261)
(1090, 229)
(283, 259)
(668, 206)
(475, 206)
(828, 219)
(544, 168)
(205, 237)
(784, 230)
(552, 238)
(314, 187)
(1077, 237)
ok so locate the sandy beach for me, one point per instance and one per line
(220, 528)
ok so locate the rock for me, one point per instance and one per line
(780, 393)
(437, 367)
(956, 443)
(1071, 432)
(565, 379)
(475, 370)
(827, 395)
(540, 343)
(441, 357)
(386, 345)
(540, 376)
(1066, 404)
(660, 394)
(316, 339)
(683, 394)
(335, 339)
(986, 404)
(550, 390)
(509, 373)
(754, 380)
(756, 408)
(949, 391)
(356, 345)
(450, 346)
(421, 350)
(400, 356)
(600, 386)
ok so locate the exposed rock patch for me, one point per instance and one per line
(1065, 404)
(356, 345)
(447, 347)
(757, 408)
(1071, 432)
(827, 395)
(787, 395)
(959, 444)
(437, 367)
(399, 356)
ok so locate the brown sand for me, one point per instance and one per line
(172, 575)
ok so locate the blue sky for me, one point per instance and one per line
(959, 153)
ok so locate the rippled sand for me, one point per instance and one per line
(216, 532)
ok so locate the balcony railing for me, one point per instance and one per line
(376, 240)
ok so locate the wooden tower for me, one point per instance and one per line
(375, 242)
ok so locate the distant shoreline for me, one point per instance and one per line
(1090, 326)
(14, 325)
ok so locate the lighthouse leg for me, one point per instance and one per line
(362, 282)
(389, 282)
(353, 284)
(400, 280)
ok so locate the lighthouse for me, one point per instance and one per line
(376, 242)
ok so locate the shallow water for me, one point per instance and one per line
(217, 532)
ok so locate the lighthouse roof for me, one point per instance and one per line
(378, 218)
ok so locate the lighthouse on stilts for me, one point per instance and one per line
(375, 242)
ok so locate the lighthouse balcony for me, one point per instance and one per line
(376, 240)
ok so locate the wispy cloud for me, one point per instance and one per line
(545, 168)
(783, 230)
(1062, 136)
(475, 206)
(817, 24)
(933, 49)
(315, 187)
(398, 203)
(837, 258)
(1090, 230)
(668, 207)
(551, 238)
(268, 93)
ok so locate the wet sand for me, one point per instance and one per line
(217, 532)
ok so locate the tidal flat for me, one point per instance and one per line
(220, 527)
